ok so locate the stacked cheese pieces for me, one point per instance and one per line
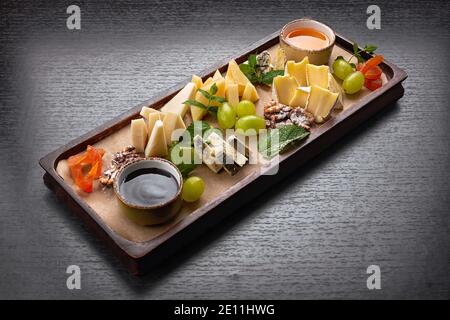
(234, 86)
(305, 85)
(153, 132)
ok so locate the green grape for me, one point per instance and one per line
(353, 83)
(250, 122)
(226, 116)
(193, 188)
(245, 108)
(342, 68)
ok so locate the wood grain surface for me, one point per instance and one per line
(380, 196)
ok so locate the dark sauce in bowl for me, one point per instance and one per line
(149, 187)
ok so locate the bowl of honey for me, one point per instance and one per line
(306, 37)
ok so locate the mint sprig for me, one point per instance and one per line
(210, 95)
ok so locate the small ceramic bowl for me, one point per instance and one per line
(151, 214)
(317, 57)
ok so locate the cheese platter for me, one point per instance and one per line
(151, 180)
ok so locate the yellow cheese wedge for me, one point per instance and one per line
(298, 70)
(169, 123)
(300, 97)
(152, 118)
(138, 134)
(217, 75)
(320, 102)
(207, 82)
(237, 75)
(157, 145)
(198, 113)
(145, 111)
(176, 105)
(232, 94)
(250, 93)
(197, 80)
(317, 75)
(285, 87)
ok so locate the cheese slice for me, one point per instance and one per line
(320, 102)
(145, 111)
(208, 82)
(197, 80)
(237, 76)
(300, 97)
(285, 87)
(138, 134)
(317, 75)
(169, 123)
(298, 71)
(152, 118)
(176, 105)
(157, 145)
(217, 75)
(232, 94)
(198, 113)
(250, 93)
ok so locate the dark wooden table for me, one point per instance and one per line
(380, 196)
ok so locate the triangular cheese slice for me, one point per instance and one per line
(232, 94)
(157, 146)
(176, 105)
(298, 71)
(237, 75)
(217, 75)
(152, 118)
(197, 80)
(250, 93)
(169, 123)
(317, 75)
(138, 131)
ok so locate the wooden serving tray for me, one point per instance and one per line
(140, 247)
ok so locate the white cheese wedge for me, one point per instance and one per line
(138, 134)
(250, 93)
(298, 71)
(300, 97)
(285, 87)
(197, 80)
(152, 118)
(157, 145)
(176, 105)
(169, 123)
(321, 102)
(232, 94)
(317, 75)
(145, 111)
(237, 76)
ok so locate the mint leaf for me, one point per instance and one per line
(252, 61)
(370, 48)
(279, 140)
(195, 103)
(206, 94)
(218, 99)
